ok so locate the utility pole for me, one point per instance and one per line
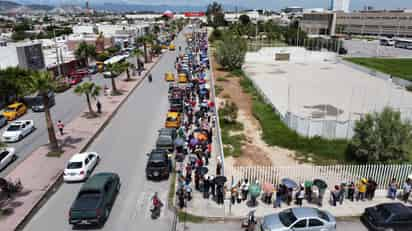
(57, 52)
(297, 35)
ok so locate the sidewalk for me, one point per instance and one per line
(210, 209)
(41, 175)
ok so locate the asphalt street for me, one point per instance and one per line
(347, 225)
(68, 106)
(123, 146)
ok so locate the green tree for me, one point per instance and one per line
(85, 51)
(215, 15)
(90, 90)
(381, 138)
(115, 69)
(244, 19)
(230, 52)
(43, 83)
(137, 53)
(125, 66)
(14, 83)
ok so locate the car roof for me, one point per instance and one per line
(397, 208)
(13, 105)
(79, 157)
(20, 122)
(305, 212)
(157, 156)
(172, 114)
(97, 181)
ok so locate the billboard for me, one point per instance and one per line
(194, 14)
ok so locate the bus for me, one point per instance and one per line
(403, 43)
(386, 41)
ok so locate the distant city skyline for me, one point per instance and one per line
(268, 4)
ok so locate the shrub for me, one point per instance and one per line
(230, 52)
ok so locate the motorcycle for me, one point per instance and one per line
(156, 210)
(250, 223)
(149, 78)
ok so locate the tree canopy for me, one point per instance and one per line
(230, 52)
(381, 137)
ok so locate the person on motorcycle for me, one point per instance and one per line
(150, 78)
(156, 201)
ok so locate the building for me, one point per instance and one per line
(397, 23)
(74, 40)
(339, 5)
(28, 55)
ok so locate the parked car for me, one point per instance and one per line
(182, 77)
(299, 219)
(172, 120)
(159, 165)
(92, 70)
(80, 166)
(169, 76)
(168, 132)
(95, 200)
(3, 121)
(388, 216)
(17, 130)
(165, 142)
(15, 110)
(7, 155)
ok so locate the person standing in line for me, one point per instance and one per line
(393, 187)
(60, 126)
(406, 190)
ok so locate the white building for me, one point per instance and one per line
(339, 5)
(84, 29)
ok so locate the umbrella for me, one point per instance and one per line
(289, 183)
(254, 190)
(268, 187)
(308, 183)
(194, 141)
(203, 170)
(321, 184)
(179, 142)
(220, 180)
(192, 157)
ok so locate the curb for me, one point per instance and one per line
(53, 187)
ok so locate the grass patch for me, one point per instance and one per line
(276, 133)
(401, 68)
(172, 189)
(187, 217)
(218, 89)
(55, 154)
(222, 79)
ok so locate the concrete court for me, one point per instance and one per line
(123, 146)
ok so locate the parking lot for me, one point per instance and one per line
(364, 48)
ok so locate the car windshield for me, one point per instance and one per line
(74, 165)
(384, 212)
(171, 119)
(10, 109)
(323, 215)
(157, 164)
(287, 217)
(12, 128)
(3, 154)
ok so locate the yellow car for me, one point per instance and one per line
(164, 46)
(172, 47)
(182, 78)
(15, 110)
(169, 77)
(172, 120)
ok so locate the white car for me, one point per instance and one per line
(80, 166)
(7, 155)
(18, 130)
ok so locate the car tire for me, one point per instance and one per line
(106, 213)
(20, 137)
(14, 157)
(118, 187)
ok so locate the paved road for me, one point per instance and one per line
(123, 146)
(68, 106)
(350, 225)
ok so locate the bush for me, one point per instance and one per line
(216, 35)
(62, 87)
(381, 138)
(102, 56)
(230, 52)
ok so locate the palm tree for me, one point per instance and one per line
(115, 69)
(91, 90)
(43, 83)
(137, 53)
(126, 65)
(85, 51)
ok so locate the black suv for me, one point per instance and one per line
(388, 216)
(159, 165)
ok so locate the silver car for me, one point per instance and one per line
(3, 121)
(299, 219)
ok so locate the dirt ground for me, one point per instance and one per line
(254, 151)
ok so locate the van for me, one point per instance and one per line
(36, 103)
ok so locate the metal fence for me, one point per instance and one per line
(218, 130)
(331, 174)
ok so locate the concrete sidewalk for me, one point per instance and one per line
(210, 209)
(41, 175)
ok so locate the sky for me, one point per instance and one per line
(271, 4)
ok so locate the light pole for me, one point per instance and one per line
(57, 52)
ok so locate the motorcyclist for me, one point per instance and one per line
(156, 201)
(150, 78)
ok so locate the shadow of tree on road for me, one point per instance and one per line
(69, 141)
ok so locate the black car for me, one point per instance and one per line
(388, 216)
(168, 132)
(165, 142)
(159, 165)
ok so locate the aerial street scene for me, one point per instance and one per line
(208, 115)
